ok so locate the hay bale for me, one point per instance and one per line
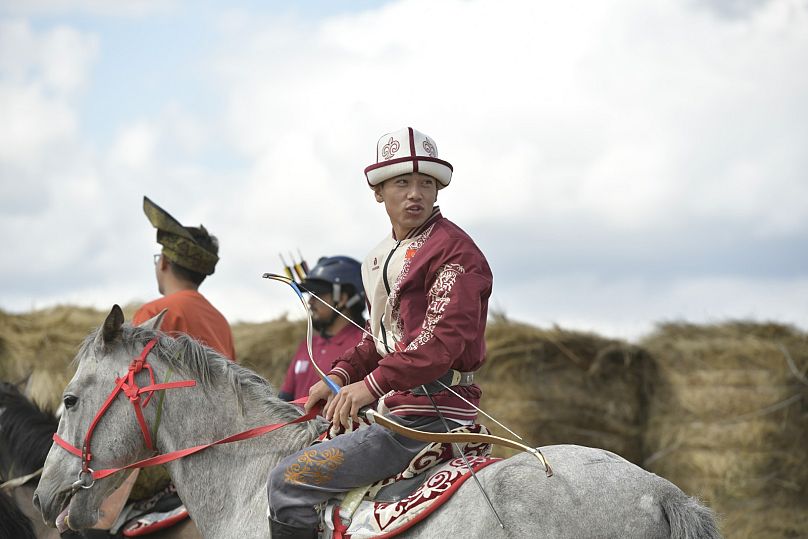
(555, 386)
(39, 346)
(728, 421)
(268, 347)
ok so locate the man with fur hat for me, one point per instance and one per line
(427, 285)
(188, 256)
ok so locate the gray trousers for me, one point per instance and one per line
(315, 474)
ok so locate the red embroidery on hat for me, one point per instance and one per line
(430, 148)
(390, 149)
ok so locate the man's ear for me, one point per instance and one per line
(377, 192)
(155, 321)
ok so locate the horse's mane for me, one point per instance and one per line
(25, 432)
(187, 356)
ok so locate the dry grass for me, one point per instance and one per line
(728, 421)
(555, 386)
(267, 347)
(37, 347)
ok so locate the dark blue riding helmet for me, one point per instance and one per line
(331, 273)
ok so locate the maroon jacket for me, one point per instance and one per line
(428, 302)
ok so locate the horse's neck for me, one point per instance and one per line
(227, 476)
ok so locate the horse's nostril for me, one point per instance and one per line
(36, 502)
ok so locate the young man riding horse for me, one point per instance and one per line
(427, 285)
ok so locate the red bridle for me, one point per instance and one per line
(128, 386)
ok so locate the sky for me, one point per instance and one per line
(621, 163)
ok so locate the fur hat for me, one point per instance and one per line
(405, 151)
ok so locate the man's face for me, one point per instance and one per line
(408, 199)
(320, 312)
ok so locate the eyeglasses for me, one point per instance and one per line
(157, 258)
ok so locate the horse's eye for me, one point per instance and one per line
(70, 401)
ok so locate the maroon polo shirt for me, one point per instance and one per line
(301, 375)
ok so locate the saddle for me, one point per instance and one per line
(391, 506)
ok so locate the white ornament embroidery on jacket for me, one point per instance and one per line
(396, 327)
(439, 298)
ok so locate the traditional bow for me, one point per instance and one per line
(392, 425)
(459, 437)
(309, 329)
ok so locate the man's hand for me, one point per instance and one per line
(321, 392)
(345, 405)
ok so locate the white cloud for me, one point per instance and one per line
(39, 77)
(628, 123)
(135, 145)
(634, 117)
(512, 90)
(129, 8)
(58, 60)
(630, 308)
(32, 122)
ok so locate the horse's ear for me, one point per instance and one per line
(111, 331)
(155, 321)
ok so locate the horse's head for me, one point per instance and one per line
(97, 430)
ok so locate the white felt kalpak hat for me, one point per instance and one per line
(405, 151)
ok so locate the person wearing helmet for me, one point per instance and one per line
(336, 280)
(427, 285)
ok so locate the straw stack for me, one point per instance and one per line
(38, 348)
(728, 421)
(555, 386)
(268, 347)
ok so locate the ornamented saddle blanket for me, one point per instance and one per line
(428, 457)
(392, 505)
(386, 519)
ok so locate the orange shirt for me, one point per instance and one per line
(189, 312)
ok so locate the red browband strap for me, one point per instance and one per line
(129, 387)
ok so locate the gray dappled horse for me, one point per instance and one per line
(593, 493)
